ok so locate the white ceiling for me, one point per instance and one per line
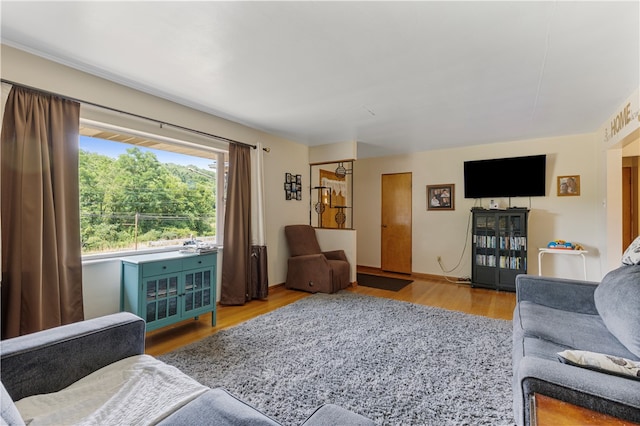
(398, 77)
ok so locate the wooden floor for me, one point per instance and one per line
(431, 291)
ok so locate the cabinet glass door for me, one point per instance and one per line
(485, 224)
(197, 290)
(512, 242)
(152, 293)
(172, 296)
(161, 297)
(515, 224)
(485, 240)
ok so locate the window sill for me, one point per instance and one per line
(106, 257)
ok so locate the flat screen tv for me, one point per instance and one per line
(505, 177)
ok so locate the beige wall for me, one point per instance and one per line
(589, 219)
(593, 219)
(445, 233)
(285, 156)
(619, 133)
(333, 152)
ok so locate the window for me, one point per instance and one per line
(137, 193)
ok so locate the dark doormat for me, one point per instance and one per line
(384, 283)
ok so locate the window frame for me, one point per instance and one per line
(220, 156)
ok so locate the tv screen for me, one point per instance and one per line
(505, 177)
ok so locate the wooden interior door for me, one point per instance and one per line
(396, 223)
(629, 206)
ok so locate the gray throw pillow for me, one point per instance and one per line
(631, 255)
(617, 300)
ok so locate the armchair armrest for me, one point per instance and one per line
(335, 255)
(50, 360)
(558, 293)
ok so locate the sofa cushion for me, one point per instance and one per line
(601, 362)
(567, 330)
(618, 304)
(9, 414)
(542, 349)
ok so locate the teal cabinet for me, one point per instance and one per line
(164, 288)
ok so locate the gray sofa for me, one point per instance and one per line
(554, 315)
(53, 359)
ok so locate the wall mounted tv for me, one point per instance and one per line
(505, 177)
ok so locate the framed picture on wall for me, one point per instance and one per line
(441, 197)
(568, 185)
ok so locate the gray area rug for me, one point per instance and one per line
(397, 363)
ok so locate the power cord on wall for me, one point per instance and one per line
(464, 280)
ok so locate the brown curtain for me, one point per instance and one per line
(236, 254)
(41, 260)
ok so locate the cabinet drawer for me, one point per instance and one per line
(161, 267)
(195, 262)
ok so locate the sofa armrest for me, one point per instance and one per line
(50, 360)
(605, 393)
(558, 293)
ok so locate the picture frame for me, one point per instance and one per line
(568, 186)
(441, 197)
(292, 186)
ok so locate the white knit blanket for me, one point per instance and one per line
(139, 390)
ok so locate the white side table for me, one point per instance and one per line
(544, 251)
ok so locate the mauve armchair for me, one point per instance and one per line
(311, 269)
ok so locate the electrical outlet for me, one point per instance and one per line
(439, 259)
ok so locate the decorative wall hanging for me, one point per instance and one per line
(441, 197)
(337, 186)
(568, 185)
(292, 187)
(342, 171)
(331, 195)
(324, 200)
